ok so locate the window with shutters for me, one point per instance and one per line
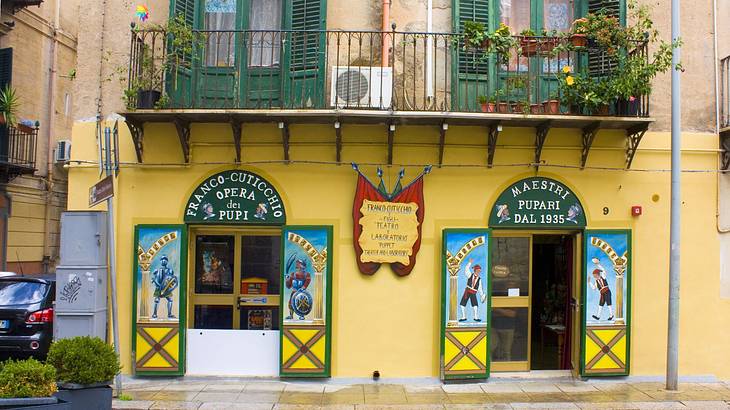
(219, 22)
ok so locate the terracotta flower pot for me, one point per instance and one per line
(2, 118)
(551, 107)
(518, 108)
(579, 40)
(528, 47)
(535, 109)
(489, 107)
(503, 108)
(602, 110)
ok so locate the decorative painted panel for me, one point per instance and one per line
(607, 301)
(465, 304)
(159, 279)
(306, 301)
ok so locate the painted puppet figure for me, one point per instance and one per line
(298, 281)
(473, 285)
(600, 284)
(165, 282)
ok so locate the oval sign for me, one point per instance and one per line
(537, 202)
(235, 197)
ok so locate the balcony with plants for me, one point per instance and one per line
(17, 138)
(596, 75)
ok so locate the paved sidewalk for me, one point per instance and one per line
(227, 393)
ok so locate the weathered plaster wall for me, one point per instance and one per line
(34, 198)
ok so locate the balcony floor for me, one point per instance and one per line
(635, 127)
(356, 116)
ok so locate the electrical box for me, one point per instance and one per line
(81, 277)
(83, 238)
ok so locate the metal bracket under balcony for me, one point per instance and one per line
(635, 127)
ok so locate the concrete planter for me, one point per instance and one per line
(35, 403)
(81, 397)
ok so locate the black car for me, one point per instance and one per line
(26, 315)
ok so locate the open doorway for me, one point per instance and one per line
(551, 319)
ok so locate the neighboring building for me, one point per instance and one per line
(38, 60)
(551, 228)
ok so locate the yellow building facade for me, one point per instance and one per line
(389, 323)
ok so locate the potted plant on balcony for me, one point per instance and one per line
(153, 65)
(548, 41)
(528, 43)
(487, 104)
(578, 34)
(641, 62)
(475, 35)
(85, 367)
(28, 384)
(552, 104)
(9, 103)
(502, 43)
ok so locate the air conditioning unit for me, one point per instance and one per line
(63, 151)
(361, 87)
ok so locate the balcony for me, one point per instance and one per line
(725, 112)
(17, 151)
(335, 77)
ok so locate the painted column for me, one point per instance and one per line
(318, 288)
(620, 269)
(144, 294)
(452, 297)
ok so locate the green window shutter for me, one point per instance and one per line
(598, 63)
(470, 10)
(306, 55)
(6, 66)
(307, 17)
(184, 8)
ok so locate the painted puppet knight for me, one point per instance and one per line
(600, 284)
(165, 282)
(298, 281)
(473, 285)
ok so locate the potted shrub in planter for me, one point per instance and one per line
(9, 103)
(579, 33)
(528, 43)
(475, 35)
(551, 105)
(29, 384)
(485, 105)
(85, 367)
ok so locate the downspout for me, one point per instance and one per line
(385, 43)
(47, 257)
(720, 228)
(429, 50)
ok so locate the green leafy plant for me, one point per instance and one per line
(527, 33)
(125, 397)
(502, 44)
(9, 103)
(163, 102)
(83, 360)
(27, 378)
(474, 34)
(483, 99)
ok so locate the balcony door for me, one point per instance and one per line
(241, 54)
(528, 77)
(522, 78)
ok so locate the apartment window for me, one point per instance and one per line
(220, 25)
(265, 37)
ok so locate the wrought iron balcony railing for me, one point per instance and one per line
(17, 150)
(302, 70)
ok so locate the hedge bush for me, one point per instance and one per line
(83, 360)
(27, 378)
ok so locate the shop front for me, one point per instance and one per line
(307, 268)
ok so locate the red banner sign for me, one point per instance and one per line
(387, 228)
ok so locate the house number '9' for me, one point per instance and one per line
(605, 210)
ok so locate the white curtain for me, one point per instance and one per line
(264, 46)
(220, 17)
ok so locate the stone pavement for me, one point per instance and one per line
(260, 394)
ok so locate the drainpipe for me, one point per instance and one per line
(429, 50)
(47, 257)
(720, 228)
(386, 44)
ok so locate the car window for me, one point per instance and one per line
(21, 293)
